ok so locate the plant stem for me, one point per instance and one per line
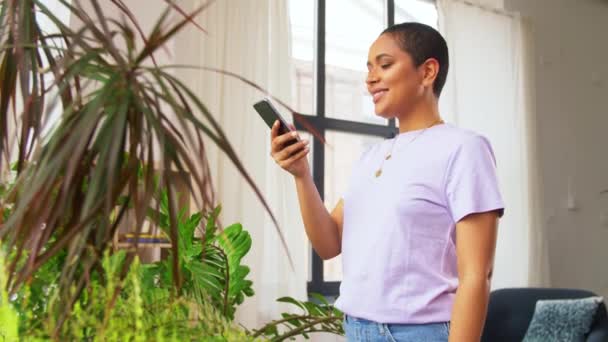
(302, 329)
(284, 320)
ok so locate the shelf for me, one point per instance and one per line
(143, 245)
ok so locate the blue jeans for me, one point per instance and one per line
(363, 330)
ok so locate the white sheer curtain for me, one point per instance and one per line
(251, 39)
(490, 90)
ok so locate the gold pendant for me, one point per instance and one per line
(378, 173)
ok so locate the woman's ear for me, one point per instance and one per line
(430, 69)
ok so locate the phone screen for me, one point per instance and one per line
(270, 114)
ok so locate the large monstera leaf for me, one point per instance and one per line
(210, 264)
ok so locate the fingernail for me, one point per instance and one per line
(294, 134)
(306, 142)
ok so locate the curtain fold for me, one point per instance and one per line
(251, 39)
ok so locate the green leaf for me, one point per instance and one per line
(271, 330)
(313, 309)
(248, 291)
(293, 319)
(320, 298)
(292, 301)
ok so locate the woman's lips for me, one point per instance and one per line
(378, 95)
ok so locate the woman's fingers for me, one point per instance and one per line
(279, 142)
(288, 162)
(274, 130)
(290, 150)
(287, 149)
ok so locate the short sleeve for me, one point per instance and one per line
(471, 183)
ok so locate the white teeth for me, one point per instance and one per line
(377, 95)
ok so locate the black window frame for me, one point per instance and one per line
(322, 124)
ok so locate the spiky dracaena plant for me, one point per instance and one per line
(121, 115)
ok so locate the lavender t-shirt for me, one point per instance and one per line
(398, 241)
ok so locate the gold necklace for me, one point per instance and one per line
(390, 154)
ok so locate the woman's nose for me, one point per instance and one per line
(371, 78)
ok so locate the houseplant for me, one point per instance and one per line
(124, 120)
(120, 111)
(147, 306)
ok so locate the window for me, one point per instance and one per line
(330, 40)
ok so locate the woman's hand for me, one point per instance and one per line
(290, 157)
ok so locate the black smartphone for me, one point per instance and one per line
(270, 114)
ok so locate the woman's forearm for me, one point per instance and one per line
(320, 227)
(469, 310)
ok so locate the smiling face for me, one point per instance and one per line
(393, 80)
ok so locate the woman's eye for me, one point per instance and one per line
(385, 66)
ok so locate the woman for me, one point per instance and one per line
(417, 226)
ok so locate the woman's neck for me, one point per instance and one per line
(419, 119)
(423, 116)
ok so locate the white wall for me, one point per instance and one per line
(572, 119)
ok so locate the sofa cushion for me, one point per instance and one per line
(562, 319)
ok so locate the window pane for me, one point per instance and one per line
(351, 27)
(308, 270)
(302, 19)
(416, 10)
(341, 151)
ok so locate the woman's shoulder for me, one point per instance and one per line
(467, 144)
(449, 138)
(461, 134)
(455, 138)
